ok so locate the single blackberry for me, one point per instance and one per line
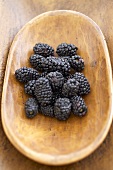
(70, 88)
(65, 49)
(25, 74)
(43, 49)
(31, 107)
(43, 91)
(47, 110)
(56, 80)
(79, 107)
(49, 64)
(76, 62)
(30, 87)
(84, 87)
(37, 61)
(62, 108)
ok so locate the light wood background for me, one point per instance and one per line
(13, 15)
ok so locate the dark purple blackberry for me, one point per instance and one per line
(79, 107)
(49, 64)
(43, 91)
(70, 88)
(25, 74)
(65, 49)
(56, 80)
(76, 62)
(47, 110)
(62, 108)
(43, 49)
(84, 87)
(31, 107)
(37, 61)
(30, 87)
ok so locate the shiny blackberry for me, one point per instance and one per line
(49, 64)
(62, 108)
(56, 80)
(30, 87)
(47, 110)
(43, 49)
(65, 49)
(79, 107)
(38, 62)
(70, 88)
(25, 74)
(76, 62)
(43, 91)
(84, 87)
(31, 107)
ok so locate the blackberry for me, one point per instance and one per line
(31, 107)
(38, 62)
(70, 88)
(47, 110)
(43, 91)
(62, 108)
(65, 49)
(56, 80)
(76, 62)
(84, 87)
(43, 49)
(49, 64)
(79, 107)
(25, 74)
(30, 87)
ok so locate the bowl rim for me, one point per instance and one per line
(74, 156)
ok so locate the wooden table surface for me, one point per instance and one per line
(13, 15)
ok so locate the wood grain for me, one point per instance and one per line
(14, 14)
(44, 139)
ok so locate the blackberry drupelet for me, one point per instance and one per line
(76, 62)
(79, 107)
(49, 64)
(84, 87)
(70, 88)
(56, 80)
(25, 74)
(30, 87)
(65, 49)
(43, 49)
(43, 91)
(62, 108)
(31, 107)
(47, 110)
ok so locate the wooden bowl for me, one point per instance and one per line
(45, 139)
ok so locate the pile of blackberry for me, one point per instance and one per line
(54, 90)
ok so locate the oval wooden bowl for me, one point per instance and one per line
(45, 139)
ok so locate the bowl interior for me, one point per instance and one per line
(46, 135)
